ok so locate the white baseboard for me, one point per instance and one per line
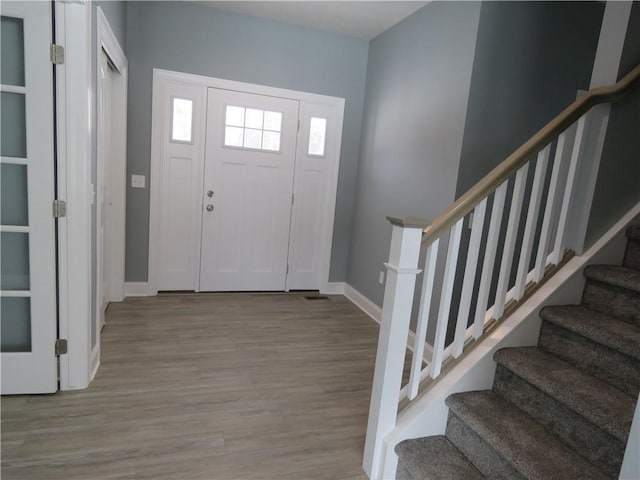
(137, 289)
(333, 288)
(363, 303)
(375, 312)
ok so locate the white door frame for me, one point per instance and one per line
(111, 173)
(160, 77)
(73, 105)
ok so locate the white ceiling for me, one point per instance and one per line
(361, 19)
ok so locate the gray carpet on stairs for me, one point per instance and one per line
(602, 345)
(632, 253)
(592, 418)
(445, 460)
(519, 442)
(562, 410)
(613, 290)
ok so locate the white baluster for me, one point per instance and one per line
(392, 341)
(532, 221)
(469, 277)
(445, 298)
(489, 259)
(423, 318)
(562, 148)
(510, 241)
(578, 146)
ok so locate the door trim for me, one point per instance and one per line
(73, 89)
(114, 174)
(160, 77)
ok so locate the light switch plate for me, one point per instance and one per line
(137, 181)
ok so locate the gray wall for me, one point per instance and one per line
(116, 13)
(618, 184)
(192, 38)
(531, 59)
(416, 100)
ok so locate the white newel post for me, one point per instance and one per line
(392, 342)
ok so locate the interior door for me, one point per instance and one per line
(248, 189)
(27, 238)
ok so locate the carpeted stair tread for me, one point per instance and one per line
(632, 252)
(603, 405)
(633, 233)
(435, 458)
(598, 327)
(621, 277)
(518, 439)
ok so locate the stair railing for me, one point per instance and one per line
(563, 139)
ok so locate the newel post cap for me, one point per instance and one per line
(409, 222)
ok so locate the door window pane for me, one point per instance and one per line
(15, 324)
(13, 137)
(235, 116)
(14, 254)
(271, 141)
(13, 195)
(252, 128)
(253, 118)
(11, 52)
(317, 134)
(182, 120)
(272, 121)
(252, 138)
(233, 136)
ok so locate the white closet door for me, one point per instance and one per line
(248, 186)
(27, 237)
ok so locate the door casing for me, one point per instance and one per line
(307, 101)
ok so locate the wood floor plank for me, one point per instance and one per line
(211, 387)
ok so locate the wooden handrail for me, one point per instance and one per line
(517, 159)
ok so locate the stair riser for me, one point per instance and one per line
(593, 443)
(479, 452)
(608, 365)
(632, 255)
(618, 302)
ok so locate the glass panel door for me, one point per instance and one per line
(27, 241)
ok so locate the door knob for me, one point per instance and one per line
(210, 193)
(209, 208)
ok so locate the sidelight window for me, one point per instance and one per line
(317, 136)
(181, 120)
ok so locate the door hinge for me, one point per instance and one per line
(57, 54)
(61, 346)
(298, 124)
(293, 197)
(59, 208)
(287, 269)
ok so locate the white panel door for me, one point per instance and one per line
(27, 238)
(182, 164)
(247, 195)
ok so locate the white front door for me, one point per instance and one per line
(27, 237)
(248, 188)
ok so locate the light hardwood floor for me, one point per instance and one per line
(209, 386)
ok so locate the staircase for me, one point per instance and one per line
(560, 410)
